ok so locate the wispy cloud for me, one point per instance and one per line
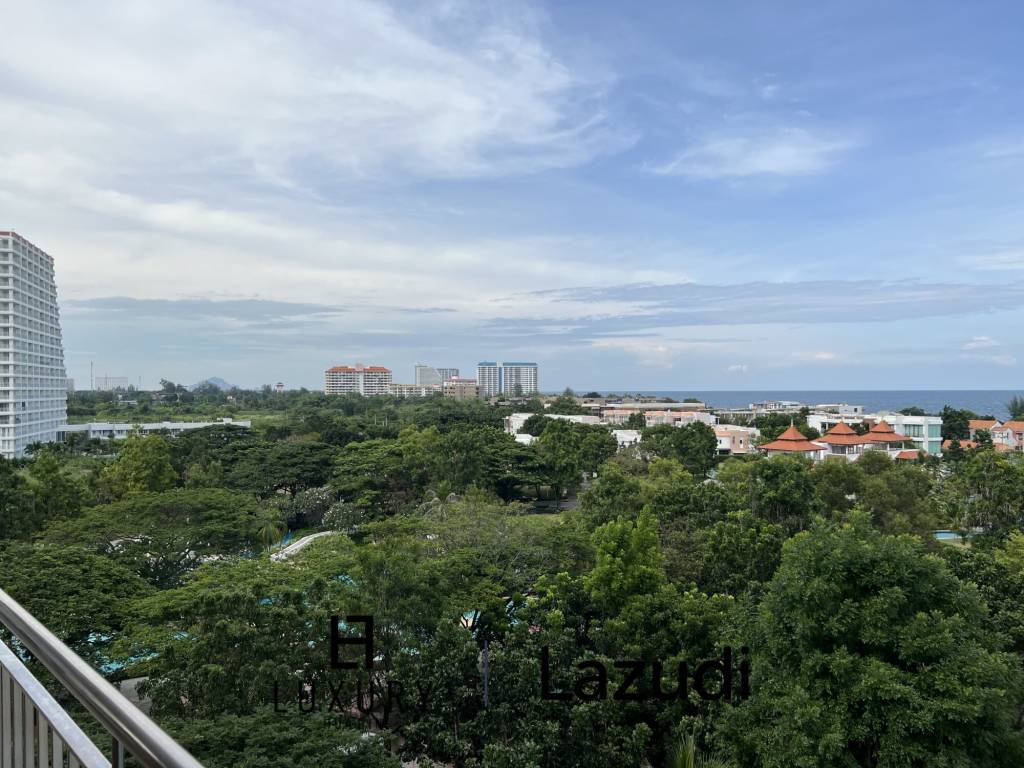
(635, 307)
(781, 152)
(1009, 259)
(359, 87)
(980, 342)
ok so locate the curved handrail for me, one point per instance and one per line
(141, 737)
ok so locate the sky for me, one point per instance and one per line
(658, 195)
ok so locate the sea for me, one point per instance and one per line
(984, 402)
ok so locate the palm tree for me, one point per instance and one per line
(685, 756)
(1016, 407)
(270, 533)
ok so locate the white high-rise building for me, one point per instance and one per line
(506, 378)
(33, 382)
(357, 380)
(429, 376)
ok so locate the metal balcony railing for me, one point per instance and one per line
(36, 732)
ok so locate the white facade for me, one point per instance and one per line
(925, 432)
(496, 378)
(33, 382)
(357, 380)
(514, 422)
(429, 376)
(105, 430)
(415, 390)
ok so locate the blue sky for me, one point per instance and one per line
(660, 195)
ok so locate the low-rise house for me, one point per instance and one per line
(515, 421)
(414, 390)
(976, 424)
(734, 440)
(793, 443)
(843, 440)
(627, 437)
(105, 430)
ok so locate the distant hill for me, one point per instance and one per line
(219, 383)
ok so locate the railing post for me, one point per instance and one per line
(116, 754)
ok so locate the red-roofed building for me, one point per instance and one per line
(793, 442)
(357, 380)
(975, 424)
(843, 440)
(1013, 434)
(909, 455)
(965, 444)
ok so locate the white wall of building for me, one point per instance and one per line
(33, 382)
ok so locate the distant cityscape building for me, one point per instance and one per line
(415, 390)
(428, 375)
(110, 383)
(279, 387)
(33, 382)
(496, 378)
(70, 385)
(357, 380)
(105, 430)
(459, 388)
(923, 433)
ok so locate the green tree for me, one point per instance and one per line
(55, 493)
(986, 491)
(17, 515)
(837, 482)
(559, 451)
(869, 652)
(636, 421)
(266, 469)
(629, 562)
(264, 738)
(694, 445)
(143, 465)
(784, 492)
(955, 424)
(161, 536)
(614, 494)
(82, 597)
(738, 553)
(1015, 407)
(900, 500)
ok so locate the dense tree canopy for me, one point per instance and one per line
(871, 642)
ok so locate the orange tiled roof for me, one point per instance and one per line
(1017, 425)
(963, 443)
(982, 423)
(791, 441)
(364, 369)
(882, 432)
(843, 434)
(907, 455)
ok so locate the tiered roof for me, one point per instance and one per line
(843, 434)
(882, 432)
(791, 441)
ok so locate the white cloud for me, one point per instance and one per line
(652, 352)
(1006, 360)
(782, 152)
(737, 368)
(354, 87)
(1009, 259)
(820, 356)
(980, 342)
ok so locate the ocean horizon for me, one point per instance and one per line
(984, 402)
